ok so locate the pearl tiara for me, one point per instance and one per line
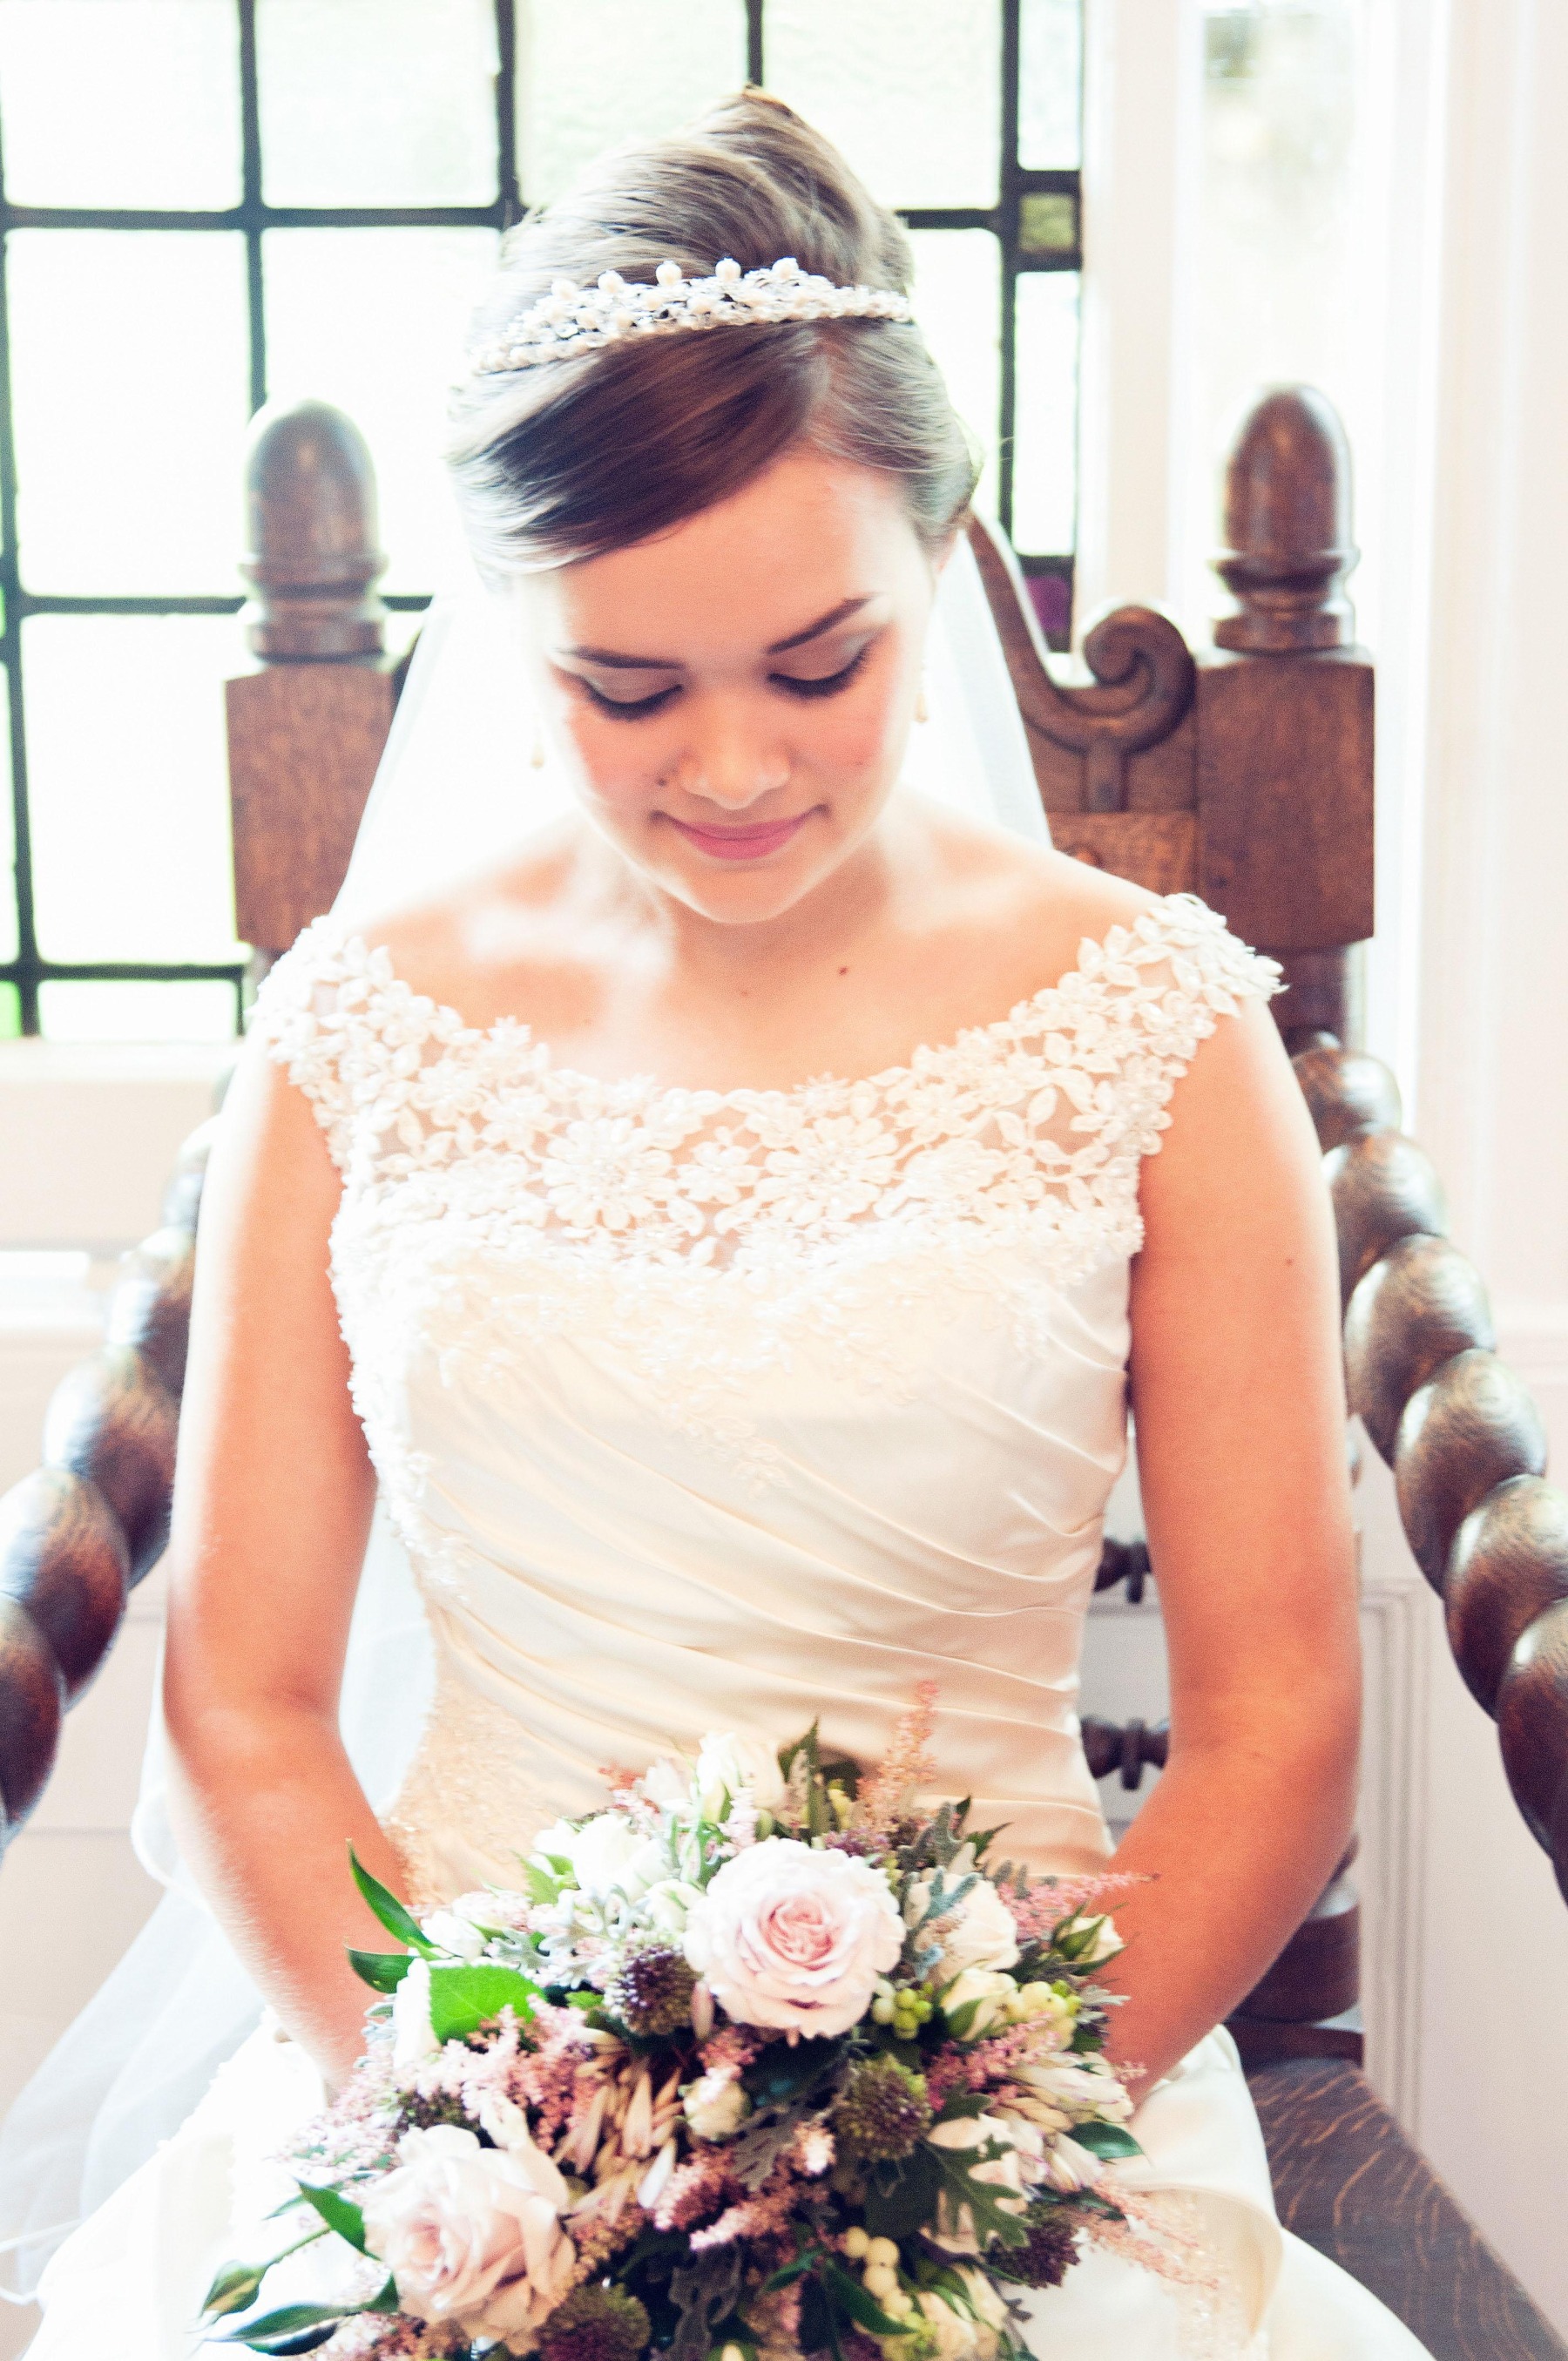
(573, 319)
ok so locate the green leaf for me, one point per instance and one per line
(963, 2106)
(787, 2276)
(463, 1998)
(991, 2219)
(902, 2198)
(1104, 2139)
(393, 1914)
(818, 2329)
(382, 1970)
(541, 1886)
(782, 2076)
(295, 2328)
(864, 2310)
(236, 2288)
(339, 2212)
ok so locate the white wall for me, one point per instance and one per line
(1494, 995)
(90, 1138)
(1418, 270)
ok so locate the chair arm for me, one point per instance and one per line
(1461, 1432)
(78, 1534)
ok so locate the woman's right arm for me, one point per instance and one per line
(272, 1501)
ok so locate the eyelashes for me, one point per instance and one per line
(626, 709)
(639, 709)
(829, 685)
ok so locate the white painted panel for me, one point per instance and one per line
(93, 1785)
(91, 1136)
(71, 1904)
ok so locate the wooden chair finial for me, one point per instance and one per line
(312, 554)
(1287, 527)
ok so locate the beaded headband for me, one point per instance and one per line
(573, 319)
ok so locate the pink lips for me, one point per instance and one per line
(753, 843)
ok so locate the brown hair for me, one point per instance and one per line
(590, 455)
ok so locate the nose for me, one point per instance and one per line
(730, 757)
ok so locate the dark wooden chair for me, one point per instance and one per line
(1244, 774)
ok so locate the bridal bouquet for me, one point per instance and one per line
(759, 2062)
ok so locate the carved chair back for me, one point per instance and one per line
(1243, 773)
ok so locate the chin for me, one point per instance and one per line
(748, 899)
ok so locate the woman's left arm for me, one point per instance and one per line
(1239, 1401)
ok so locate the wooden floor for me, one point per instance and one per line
(1348, 2181)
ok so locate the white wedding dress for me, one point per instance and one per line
(700, 1411)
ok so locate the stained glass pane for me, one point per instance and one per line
(1045, 467)
(958, 292)
(377, 102)
(911, 89)
(121, 101)
(137, 1012)
(644, 71)
(10, 1012)
(127, 784)
(128, 460)
(1051, 68)
(375, 320)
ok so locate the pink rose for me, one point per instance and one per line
(472, 2235)
(795, 1939)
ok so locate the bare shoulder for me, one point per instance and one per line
(1040, 905)
(450, 946)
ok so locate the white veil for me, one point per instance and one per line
(454, 790)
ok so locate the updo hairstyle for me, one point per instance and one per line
(583, 455)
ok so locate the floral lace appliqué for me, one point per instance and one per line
(492, 1198)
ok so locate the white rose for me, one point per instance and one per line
(555, 1844)
(460, 1938)
(716, 2106)
(991, 1995)
(980, 1933)
(610, 1857)
(668, 1905)
(470, 2234)
(1105, 1944)
(728, 1766)
(413, 2035)
(666, 1784)
(789, 1937)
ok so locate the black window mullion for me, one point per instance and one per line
(1008, 370)
(252, 218)
(507, 185)
(250, 201)
(25, 965)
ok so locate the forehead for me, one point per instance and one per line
(802, 538)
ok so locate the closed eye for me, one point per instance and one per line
(826, 684)
(628, 709)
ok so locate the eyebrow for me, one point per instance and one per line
(835, 616)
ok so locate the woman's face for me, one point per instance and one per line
(733, 696)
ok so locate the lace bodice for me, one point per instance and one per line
(1048, 1112)
(699, 1406)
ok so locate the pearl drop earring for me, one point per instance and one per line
(922, 711)
(536, 756)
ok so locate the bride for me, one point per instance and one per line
(728, 1224)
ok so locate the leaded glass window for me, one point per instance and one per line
(204, 203)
